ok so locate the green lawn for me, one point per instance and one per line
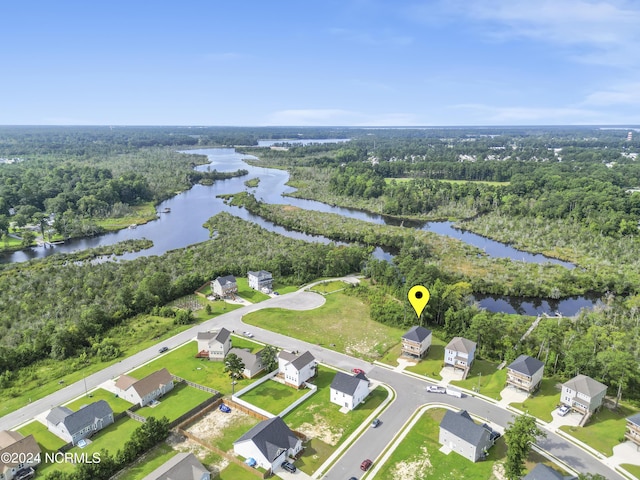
(342, 324)
(149, 462)
(604, 430)
(543, 402)
(248, 293)
(433, 362)
(182, 362)
(329, 287)
(282, 288)
(235, 472)
(632, 469)
(273, 397)
(118, 405)
(491, 380)
(225, 437)
(177, 402)
(48, 441)
(140, 214)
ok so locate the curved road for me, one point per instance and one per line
(410, 390)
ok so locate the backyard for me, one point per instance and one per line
(273, 396)
(175, 403)
(117, 404)
(485, 375)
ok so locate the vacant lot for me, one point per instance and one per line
(487, 375)
(273, 397)
(222, 429)
(544, 401)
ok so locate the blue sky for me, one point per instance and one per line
(344, 62)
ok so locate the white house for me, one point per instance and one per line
(252, 361)
(461, 434)
(349, 390)
(583, 394)
(416, 342)
(214, 345)
(144, 391)
(224, 286)
(525, 373)
(459, 353)
(296, 369)
(183, 466)
(269, 443)
(73, 426)
(24, 450)
(261, 281)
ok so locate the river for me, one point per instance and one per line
(189, 210)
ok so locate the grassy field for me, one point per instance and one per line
(141, 214)
(118, 405)
(432, 363)
(329, 287)
(604, 430)
(273, 397)
(48, 441)
(632, 469)
(235, 472)
(402, 180)
(545, 400)
(491, 380)
(231, 433)
(342, 324)
(177, 402)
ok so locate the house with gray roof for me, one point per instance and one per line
(183, 466)
(459, 353)
(224, 286)
(269, 443)
(295, 369)
(146, 390)
(416, 342)
(542, 472)
(261, 281)
(73, 426)
(525, 373)
(15, 446)
(461, 434)
(214, 345)
(583, 394)
(348, 391)
(252, 361)
(632, 431)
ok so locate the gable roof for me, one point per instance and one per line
(58, 414)
(76, 421)
(261, 274)
(205, 335)
(347, 384)
(297, 361)
(417, 334)
(270, 437)
(223, 335)
(635, 419)
(9, 437)
(462, 426)
(16, 443)
(125, 381)
(152, 382)
(542, 472)
(226, 280)
(526, 365)
(586, 385)
(461, 344)
(183, 466)
(251, 360)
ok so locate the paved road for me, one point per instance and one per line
(410, 391)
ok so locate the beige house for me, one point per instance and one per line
(214, 345)
(416, 342)
(12, 445)
(583, 394)
(224, 286)
(525, 373)
(633, 429)
(147, 390)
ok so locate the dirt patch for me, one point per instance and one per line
(213, 424)
(321, 431)
(365, 346)
(411, 470)
(289, 208)
(183, 444)
(498, 471)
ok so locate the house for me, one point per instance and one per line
(74, 426)
(461, 434)
(542, 472)
(633, 429)
(583, 394)
(459, 353)
(261, 281)
(252, 361)
(416, 342)
(183, 466)
(27, 451)
(214, 345)
(349, 390)
(147, 390)
(224, 286)
(296, 369)
(525, 373)
(269, 443)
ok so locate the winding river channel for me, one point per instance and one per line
(182, 226)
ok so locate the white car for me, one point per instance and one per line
(563, 410)
(248, 334)
(435, 389)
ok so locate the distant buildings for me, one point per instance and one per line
(416, 342)
(296, 369)
(261, 281)
(224, 286)
(525, 373)
(632, 431)
(252, 361)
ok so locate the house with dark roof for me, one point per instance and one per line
(348, 391)
(269, 443)
(26, 452)
(295, 369)
(416, 342)
(146, 390)
(224, 286)
(261, 281)
(459, 353)
(632, 431)
(583, 394)
(214, 345)
(461, 434)
(183, 466)
(73, 426)
(525, 373)
(542, 472)
(252, 361)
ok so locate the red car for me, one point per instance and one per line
(365, 465)
(357, 371)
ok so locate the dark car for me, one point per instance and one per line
(365, 465)
(289, 467)
(375, 422)
(163, 349)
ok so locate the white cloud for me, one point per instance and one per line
(489, 114)
(626, 94)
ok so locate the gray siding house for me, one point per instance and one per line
(261, 281)
(583, 394)
(74, 426)
(461, 434)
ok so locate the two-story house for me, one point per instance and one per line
(416, 342)
(461, 434)
(146, 390)
(525, 373)
(253, 363)
(224, 286)
(459, 353)
(260, 280)
(74, 426)
(296, 369)
(349, 390)
(632, 431)
(18, 455)
(583, 394)
(214, 345)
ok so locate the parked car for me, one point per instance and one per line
(163, 349)
(357, 371)
(365, 465)
(375, 422)
(248, 334)
(289, 467)
(563, 410)
(276, 293)
(493, 436)
(435, 389)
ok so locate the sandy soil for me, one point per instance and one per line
(213, 423)
(183, 444)
(410, 470)
(320, 431)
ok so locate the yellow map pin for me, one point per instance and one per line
(418, 297)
